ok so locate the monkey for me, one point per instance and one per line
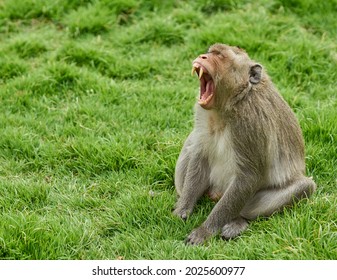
(245, 151)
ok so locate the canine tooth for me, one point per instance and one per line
(193, 71)
(200, 73)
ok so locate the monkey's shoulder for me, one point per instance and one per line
(261, 109)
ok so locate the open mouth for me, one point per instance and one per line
(206, 84)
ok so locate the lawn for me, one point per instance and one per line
(97, 100)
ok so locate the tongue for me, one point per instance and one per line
(209, 87)
(209, 90)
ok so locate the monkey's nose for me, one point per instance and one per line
(203, 56)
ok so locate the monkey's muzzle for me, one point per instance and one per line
(206, 85)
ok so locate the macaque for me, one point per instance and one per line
(246, 150)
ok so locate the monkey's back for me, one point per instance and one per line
(264, 122)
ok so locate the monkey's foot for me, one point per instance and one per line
(198, 236)
(234, 228)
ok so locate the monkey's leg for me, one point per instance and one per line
(267, 201)
(196, 182)
(226, 211)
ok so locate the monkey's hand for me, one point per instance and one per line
(182, 213)
(198, 236)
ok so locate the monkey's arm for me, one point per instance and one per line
(196, 182)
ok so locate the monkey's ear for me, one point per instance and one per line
(255, 73)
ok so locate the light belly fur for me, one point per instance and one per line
(221, 157)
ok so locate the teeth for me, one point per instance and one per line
(200, 73)
(193, 71)
(204, 102)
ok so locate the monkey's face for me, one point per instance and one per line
(221, 71)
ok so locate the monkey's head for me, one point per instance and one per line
(224, 71)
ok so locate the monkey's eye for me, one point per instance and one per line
(221, 55)
(217, 53)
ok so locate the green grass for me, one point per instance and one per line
(95, 103)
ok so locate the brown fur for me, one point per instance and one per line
(246, 148)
